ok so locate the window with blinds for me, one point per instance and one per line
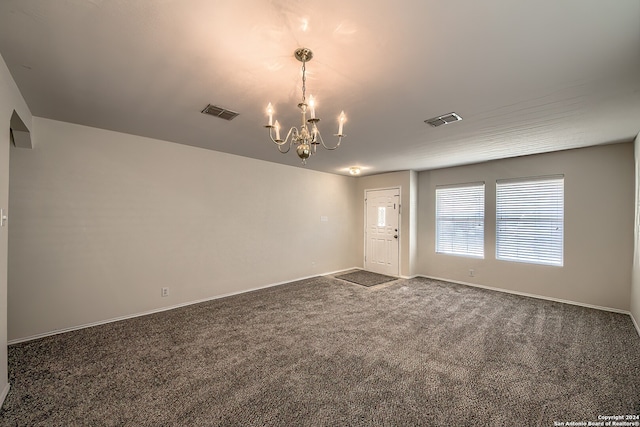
(530, 220)
(460, 220)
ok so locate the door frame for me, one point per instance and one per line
(364, 231)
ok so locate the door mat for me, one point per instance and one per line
(365, 278)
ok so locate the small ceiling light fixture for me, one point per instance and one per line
(354, 170)
(306, 140)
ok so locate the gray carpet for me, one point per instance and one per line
(365, 278)
(320, 353)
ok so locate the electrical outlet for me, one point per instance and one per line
(165, 292)
(472, 272)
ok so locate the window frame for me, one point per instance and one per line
(537, 243)
(478, 250)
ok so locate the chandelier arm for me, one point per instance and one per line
(292, 136)
(285, 151)
(281, 142)
(293, 133)
(275, 141)
(325, 145)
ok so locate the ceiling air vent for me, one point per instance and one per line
(220, 112)
(443, 120)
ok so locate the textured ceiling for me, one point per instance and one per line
(526, 76)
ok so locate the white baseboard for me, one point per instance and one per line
(400, 276)
(5, 392)
(635, 323)
(524, 294)
(159, 310)
(171, 307)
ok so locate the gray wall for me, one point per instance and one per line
(103, 220)
(635, 285)
(598, 243)
(10, 100)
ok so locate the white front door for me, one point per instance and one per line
(382, 234)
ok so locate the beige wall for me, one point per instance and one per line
(10, 100)
(598, 244)
(635, 284)
(103, 220)
(406, 181)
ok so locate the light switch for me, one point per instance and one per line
(324, 219)
(3, 218)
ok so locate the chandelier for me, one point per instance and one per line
(308, 137)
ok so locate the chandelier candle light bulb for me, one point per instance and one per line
(341, 119)
(312, 107)
(306, 140)
(277, 126)
(270, 114)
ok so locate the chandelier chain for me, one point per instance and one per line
(304, 82)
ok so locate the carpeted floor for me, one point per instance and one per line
(322, 353)
(365, 278)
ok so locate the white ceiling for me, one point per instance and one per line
(527, 76)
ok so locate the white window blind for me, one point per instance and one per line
(460, 220)
(530, 220)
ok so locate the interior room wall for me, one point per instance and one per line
(10, 100)
(413, 222)
(598, 246)
(635, 284)
(406, 181)
(104, 220)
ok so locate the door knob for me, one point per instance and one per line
(395, 236)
